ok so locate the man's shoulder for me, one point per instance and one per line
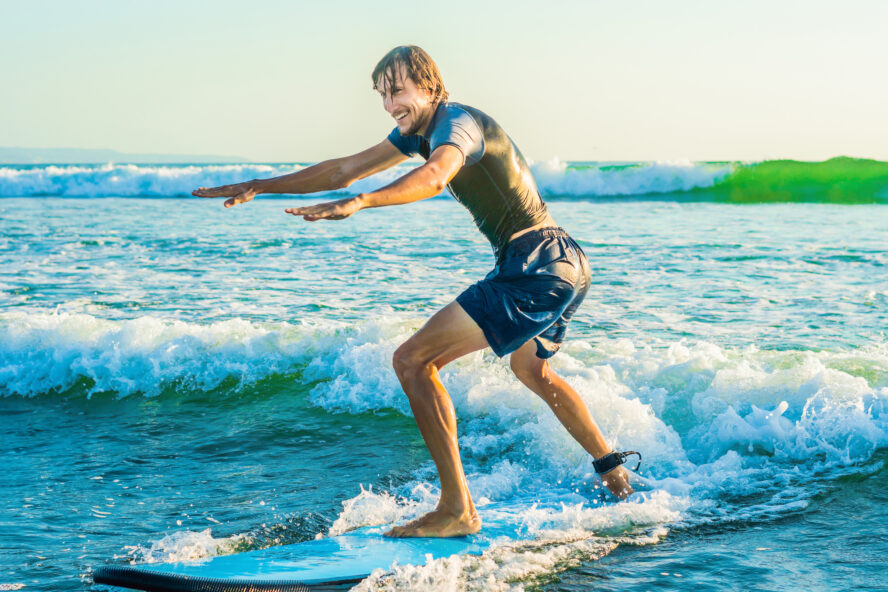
(453, 112)
(462, 115)
(461, 126)
(453, 109)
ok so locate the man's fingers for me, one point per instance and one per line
(204, 192)
(222, 191)
(325, 211)
(316, 217)
(306, 211)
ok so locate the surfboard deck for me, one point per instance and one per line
(329, 563)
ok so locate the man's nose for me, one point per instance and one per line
(387, 104)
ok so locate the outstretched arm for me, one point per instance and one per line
(422, 182)
(324, 176)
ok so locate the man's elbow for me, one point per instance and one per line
(341, 178)
(437, 178)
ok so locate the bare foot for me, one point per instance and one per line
(439, 523)
(617, 481)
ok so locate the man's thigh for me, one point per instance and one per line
(449, 334)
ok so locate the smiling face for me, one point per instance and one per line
(410, 106)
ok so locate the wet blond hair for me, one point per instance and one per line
(418, 65)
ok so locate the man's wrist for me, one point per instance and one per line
(257, 186)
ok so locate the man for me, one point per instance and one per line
(521, 308)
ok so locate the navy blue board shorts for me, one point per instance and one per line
(540, 279)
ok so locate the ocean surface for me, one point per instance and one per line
(178, 380)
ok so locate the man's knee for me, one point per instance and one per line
(527, 367)
(407, 360)
(401, 360)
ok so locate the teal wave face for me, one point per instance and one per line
(840, 180)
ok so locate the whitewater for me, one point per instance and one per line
(839, 180)
(133, 180)
(178, 381)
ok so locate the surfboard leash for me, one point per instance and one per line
(612, 460)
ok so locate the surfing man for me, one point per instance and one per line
(520, 309)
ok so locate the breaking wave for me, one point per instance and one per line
(769, 427)
(839, 180)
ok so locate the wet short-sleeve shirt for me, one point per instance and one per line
(454, 127)
(494, 183)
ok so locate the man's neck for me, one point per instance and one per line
(432, 110)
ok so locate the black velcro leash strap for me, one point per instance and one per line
(611, 461)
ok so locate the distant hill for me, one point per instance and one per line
(98, 156)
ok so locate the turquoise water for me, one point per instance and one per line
(180, 380)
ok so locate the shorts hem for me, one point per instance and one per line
(543, 353)
(485, 327)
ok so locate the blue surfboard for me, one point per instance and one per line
(329, 563)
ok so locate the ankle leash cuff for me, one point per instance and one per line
(612, 460)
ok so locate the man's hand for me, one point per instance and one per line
(239, 193)
(331, 210)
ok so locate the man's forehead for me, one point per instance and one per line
(395, 73)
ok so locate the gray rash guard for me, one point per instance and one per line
(494, 183)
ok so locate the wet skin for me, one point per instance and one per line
(450, 333)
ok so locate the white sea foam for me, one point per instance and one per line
(130, 180)
(554, 178)
(504, 567)
(558, 178)
(684, 403)
(185, 546)
(371, 508)
(507, 566)
(43, 352)
(709, 420)
(766, 424)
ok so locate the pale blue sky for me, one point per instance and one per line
(584, 80)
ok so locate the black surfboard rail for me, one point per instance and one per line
(154, 581)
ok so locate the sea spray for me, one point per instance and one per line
(186, 545)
